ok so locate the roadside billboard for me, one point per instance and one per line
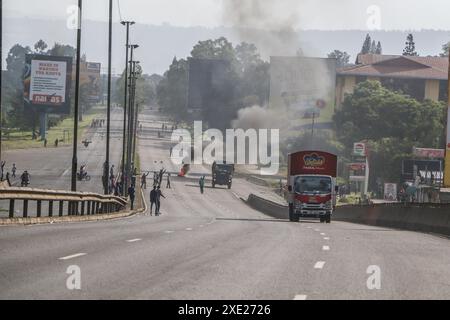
(90, 81)
(47, 81)
(303, 89)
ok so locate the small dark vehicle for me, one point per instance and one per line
(222, 174)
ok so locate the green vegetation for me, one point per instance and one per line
(19, 139)
(391, 123)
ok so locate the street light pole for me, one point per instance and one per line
(108, 112)
(136, 112)
(77, 92)
(127, 24)
(130, 117)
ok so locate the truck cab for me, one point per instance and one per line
(222, 174)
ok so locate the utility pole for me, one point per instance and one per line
(77, 92)
(127, 45)
(130, 117)
(108, 111)
(136, 114)
(1, 74)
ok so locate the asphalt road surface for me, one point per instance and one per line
(213, 246)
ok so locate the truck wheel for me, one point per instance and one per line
(328, 219)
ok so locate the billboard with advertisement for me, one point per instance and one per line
(47, 81)
(90, 78)
(303, 89)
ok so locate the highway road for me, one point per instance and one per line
(213, 246)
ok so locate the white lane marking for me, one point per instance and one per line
(300, 297)
(169, 231)
(76, 255)
(201, 226)
(326, 248)
(316, 230)
(234, 194)
(134, 240)
(326, 238)
(188, 229)
(319, 264)
(322, 234)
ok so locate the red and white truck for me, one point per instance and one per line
(311, 183)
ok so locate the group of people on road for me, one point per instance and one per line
(24, 177)
(97, 123)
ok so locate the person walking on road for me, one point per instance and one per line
(168, 181)
(25, 179)
(13, 170)
(158, 200)
(144, 180)
(153, 200)
(131, 193)
(155, 178)
(202, 184)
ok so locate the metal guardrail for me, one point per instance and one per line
(78, 203)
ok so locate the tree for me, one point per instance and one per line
(410, 49)
(379, 49)
(373, 47)
(392, 123)
(40, 47)
(366, 45)
(445, 49)
(342, 58)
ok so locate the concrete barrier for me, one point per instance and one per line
(430, 218)
(268, 207)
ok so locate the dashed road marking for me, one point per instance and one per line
(322, 234)
(300, 297)
(169, 231)
(319, 264)
(76, 255)
(326, 248)
(234, 194)
(326, 238)
(317, 230)
(134, 240)
(188, 229)
(201, 226)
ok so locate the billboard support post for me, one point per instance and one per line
(43, 125)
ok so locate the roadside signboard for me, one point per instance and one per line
(47, 82)
(390, 191)
(429, 153)
(359, 149)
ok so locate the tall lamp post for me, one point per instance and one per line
(130, 117)
(77, 92)
(108, 111)
(127, 24)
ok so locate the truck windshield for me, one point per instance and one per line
(224, 168)
(312, 184)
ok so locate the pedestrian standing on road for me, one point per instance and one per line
(7, 178)
(131, 193)
(168, 181)
(56, 143)
(155, 178)
(171, 150)
(3, 167)
(25, 179)
(144, 180)
(153, 200)
(202, 184)
(45, 143)
(161, 175)
(158, 200)
(13, 170)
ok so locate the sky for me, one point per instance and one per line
(310, 14)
